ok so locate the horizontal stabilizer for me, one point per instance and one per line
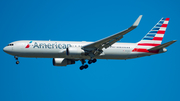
(162, 46)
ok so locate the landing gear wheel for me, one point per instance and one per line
(90, 61)
(17, 62)
(81, 68)
(16, 57)
(94, 60)
(86, 66)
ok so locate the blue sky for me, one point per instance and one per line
(153, 78)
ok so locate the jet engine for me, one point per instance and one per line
(62, 62)
(74, 51)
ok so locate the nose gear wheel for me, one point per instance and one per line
(16, 58)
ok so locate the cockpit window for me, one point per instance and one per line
(10, 44)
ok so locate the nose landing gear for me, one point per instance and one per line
(16, 58)
(17, 62)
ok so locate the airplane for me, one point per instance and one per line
(68, 52)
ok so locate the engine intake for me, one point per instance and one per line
(62, 62)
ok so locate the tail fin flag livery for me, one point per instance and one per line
(154, 37)
(65, 53)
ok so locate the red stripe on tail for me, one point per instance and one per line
(164, 25)
(160, 32)
(167, 19)
(158, 38)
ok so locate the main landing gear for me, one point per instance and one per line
(16, 58)
(86, 66)
(92, 61)
(83, 67)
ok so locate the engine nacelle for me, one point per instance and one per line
(75, 51)
(62, 62)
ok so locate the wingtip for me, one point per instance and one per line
(174, 40)
(136, 23)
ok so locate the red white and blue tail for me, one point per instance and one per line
(155, 36)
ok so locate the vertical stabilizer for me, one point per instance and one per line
(155, 36)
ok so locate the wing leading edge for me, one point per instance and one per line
(108, 41)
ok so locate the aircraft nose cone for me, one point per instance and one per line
(7, 49)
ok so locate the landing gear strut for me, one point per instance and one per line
(16, 58)
(83, 66)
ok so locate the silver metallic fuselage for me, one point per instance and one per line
(57, 49)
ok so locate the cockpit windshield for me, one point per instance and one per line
(10, 44)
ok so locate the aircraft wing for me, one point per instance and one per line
(108, 41)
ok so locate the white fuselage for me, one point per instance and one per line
(68, 52)
(57, 49)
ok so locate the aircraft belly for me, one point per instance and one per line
(39, 53)
(115, 54)
(138, 54)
